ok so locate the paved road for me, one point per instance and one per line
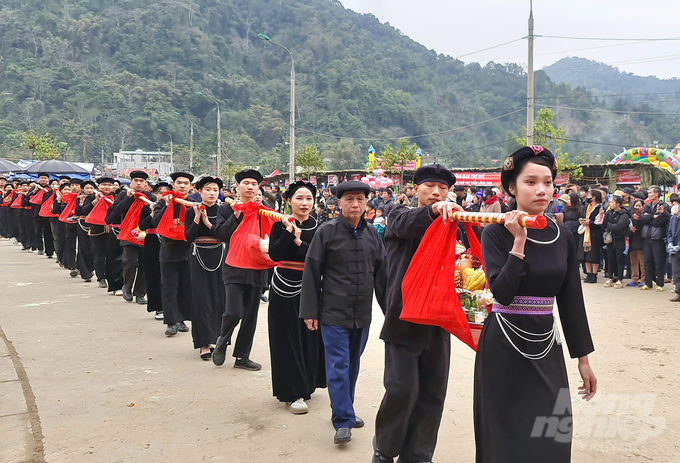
(86, 377)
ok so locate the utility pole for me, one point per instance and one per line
(191, 149)
(291, 171)
(530, 79)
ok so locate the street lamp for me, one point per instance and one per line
(191, 142)
(172, 165)
(219, 133)
(291, 170)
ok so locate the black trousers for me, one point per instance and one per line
(114, 262)
(31, 240)
(176, 292)
(70, 239)
(133, 266)
(85, 259)
(655, 261)
(152, 272)
(99, 253)
(242, 305)
(615, 259)
(43, 234)
(17, 224)
(59, 233)
(415, 388)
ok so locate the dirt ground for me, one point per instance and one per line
(108, 385)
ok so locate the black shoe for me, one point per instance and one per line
(159, 315)
(50, 256)
(140, 300)
(171, 330)
(379, 457)
(207, 356)
(358, 422)
(88, 280)
(41, 252)
(220, 352)
(182, 328)
(593, 279)
(342, 436)
(127, 297)
(102, 284)
(247, 364)
(264, 298)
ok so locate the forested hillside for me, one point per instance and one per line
(104, 75)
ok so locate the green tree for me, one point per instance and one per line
(44, 147)
(404, 154)
(229, 170)
(309, 160)
(551, 137)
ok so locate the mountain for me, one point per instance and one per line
(606, 80)
(104, 75)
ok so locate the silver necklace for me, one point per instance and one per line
(547, 242)
(310, 228)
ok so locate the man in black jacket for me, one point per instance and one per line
(416, 356)
(243, 287)
(174, 258)
(43, 233)
(344, 264)
(133, 257)
(654, 219)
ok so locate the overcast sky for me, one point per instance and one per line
(457, 27)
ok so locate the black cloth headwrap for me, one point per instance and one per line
(522, 155)
(434, 173)
(293, 187)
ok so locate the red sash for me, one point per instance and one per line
(46, 208)
(169, 226)
(131, 222)
(98, 212)
(16, 204)
(70, 209)
(38, 197)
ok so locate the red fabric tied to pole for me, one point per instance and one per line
(428, 288)
(70, 208)
(16, 204)
(131, 222)
(169, 226)
(244, 246)
(98, 212)
(46, 208)
(38, 197)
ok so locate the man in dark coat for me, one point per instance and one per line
(133, 257)
(416, 356)
(654, 217)
(344, 264)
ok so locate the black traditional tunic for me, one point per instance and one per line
(152, 263)
(515, 397)
(297, 355)
(205, 268)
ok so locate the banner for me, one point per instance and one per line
(332, 179)
(478, 178)
(627, 177)
(562, 179)
(356, 177)
(312, 180)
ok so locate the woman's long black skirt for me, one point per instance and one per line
(522, 407)
(297, 355)
(152, 269)
(207, 289)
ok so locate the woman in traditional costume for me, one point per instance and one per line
(205, 267)
(522, 404)
(592, 238)
(297, 356)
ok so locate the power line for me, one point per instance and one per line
(608, 110)
(662, 39)
(622, 145)
(607, 96)
(443, 132)
(445, 60)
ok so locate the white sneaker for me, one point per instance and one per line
(14, 241)
(299, 407)
(118, 293)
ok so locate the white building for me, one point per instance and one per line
(155, 163)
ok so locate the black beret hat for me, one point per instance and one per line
(639, 195)
(515, 160)
(64, 177)
(352, 185)
(459, 188)
(88, 182)
(675, 198)
(76, 181)
(628, 190)
(434, 173)
(24, 182)
(105, 180)
(203, 181)
(175, 175)
(160, 185)
(293, 187)
(139, 174)
(248, 173)
(43, 174)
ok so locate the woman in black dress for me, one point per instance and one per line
(522, 404)
(571, 219)
(205, 267)
(297, 356)
(592, 238)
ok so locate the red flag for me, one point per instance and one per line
(70, 200)
(38, 197)
(46, 208)
(244, 246)
(131, 222)
(98, 212)
(428, 288)
(169, 226)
